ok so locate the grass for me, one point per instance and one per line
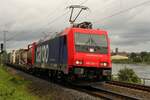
(13, 87)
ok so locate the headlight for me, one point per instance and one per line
(103, 64)
(79, 62)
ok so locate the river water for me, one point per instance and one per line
(143, 71)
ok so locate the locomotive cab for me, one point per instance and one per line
(90, 54)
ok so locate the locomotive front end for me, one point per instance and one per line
(91, 56)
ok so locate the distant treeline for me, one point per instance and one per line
(142, 57)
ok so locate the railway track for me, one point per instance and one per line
(106, 94)
(130, 85)
(100, 91)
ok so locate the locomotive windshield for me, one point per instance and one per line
(93, 43)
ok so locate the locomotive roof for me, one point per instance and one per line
(65, 32)
(68, 30)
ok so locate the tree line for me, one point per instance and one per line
(142, 57)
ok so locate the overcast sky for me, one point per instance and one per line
(26, 20)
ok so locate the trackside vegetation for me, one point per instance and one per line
(13, 87)
(128, 75)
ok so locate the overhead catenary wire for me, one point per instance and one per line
(62, 15)
(41, 27)
(49, 23)
(85, 1)
(123, 11)
(56, 9)
(57, 18)
(52, 21)
(107, 17)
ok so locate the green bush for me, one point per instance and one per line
(128, 75)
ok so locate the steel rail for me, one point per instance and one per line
(130, 85)
(103, 93)
(111, 94)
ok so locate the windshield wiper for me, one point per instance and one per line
(92, 41)
(88, 41)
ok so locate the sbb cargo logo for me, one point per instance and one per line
(42, 53)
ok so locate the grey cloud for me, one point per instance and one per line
(26, 20)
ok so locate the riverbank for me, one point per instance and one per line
(13, 87)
